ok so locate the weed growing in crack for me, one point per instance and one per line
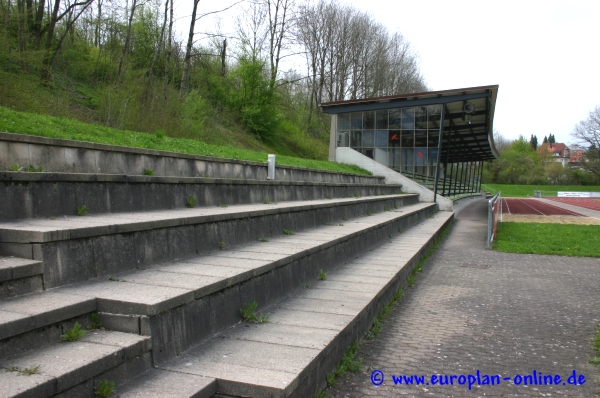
(322, 275)
(148, 172)
(33, 169)
(288, 232)
(105, 389)
(96, 324)
(74, 334)
(191, 201)
(82, 210)
(24, 371)
(248, 314)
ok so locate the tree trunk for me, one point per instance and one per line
(127, 37)
(160, 43)
(168, 57)
(223, 58)
(188, 52)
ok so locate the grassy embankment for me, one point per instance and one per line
(522, 191)
(58, 127)
(555, 239)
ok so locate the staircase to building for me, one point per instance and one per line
(319, 253)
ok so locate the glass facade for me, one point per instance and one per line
(404, 139)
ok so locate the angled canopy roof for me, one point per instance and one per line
(471, 139)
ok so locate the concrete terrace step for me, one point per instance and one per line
(79, 248)
(72, 368)
(19, 276)
(181, 303)
(32, 195)
(57, 155)
(308, 330)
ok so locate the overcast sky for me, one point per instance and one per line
(544, 54)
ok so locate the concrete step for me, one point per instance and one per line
(309, 330)
(79, 248)
(39, 319)
(158, 383)
(57, 155)
(74, 368)
(181, 303)
(45, 195)
(20, 276)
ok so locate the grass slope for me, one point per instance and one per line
(57, 127)
(556, 239)
(522, 191)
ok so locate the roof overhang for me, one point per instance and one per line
(474, 138)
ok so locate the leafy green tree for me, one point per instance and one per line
(518, 164)
(533, 142)
(253, 97)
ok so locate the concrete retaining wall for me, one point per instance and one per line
(178, 329)
(350, 156)
(74, 260)
(29, 195)
(57, 155)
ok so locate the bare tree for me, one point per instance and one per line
(587, 134)
(168, 55)
(280, 15)
(350, 55)
(159, 45)
(251, 29)
(72, 12)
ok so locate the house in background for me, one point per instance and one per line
(576, 157)
(558, 151)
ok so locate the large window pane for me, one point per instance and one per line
(356, 121)
(395, 119)
(394, 159)
(408, 118)
(420, 138)
(433, 115)
(421, 117)
(394, 138)
(408, 139)
(343, 139)
(432, 139)
(420, 156)
(356, 139)
(369, 120)
(368, 152)
(407, 160)
(432, 157)
(343, 121)
(381, 118)
(368, 138)
(381, 138)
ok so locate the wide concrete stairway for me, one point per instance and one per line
(156, 269)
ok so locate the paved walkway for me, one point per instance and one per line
(523, 313)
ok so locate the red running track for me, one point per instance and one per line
(588, 203)
(534, 207)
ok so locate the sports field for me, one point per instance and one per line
(540, 211)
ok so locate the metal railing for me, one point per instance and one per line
(494, 214)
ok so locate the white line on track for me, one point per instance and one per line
(527, 204)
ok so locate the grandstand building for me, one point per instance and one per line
(440, 139)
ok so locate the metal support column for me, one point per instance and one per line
(439, 154)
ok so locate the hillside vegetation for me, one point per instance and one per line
(56, 127)
(122, 65)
